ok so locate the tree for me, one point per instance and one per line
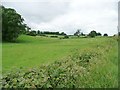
(27, 30)
(105, 34)
(118, 33)
(62, 33)
(77, 33)
(12, 24)
(99, 34)
(32, 33)
(92, 33)
(0, 25)
(82, 34)
(38, 32)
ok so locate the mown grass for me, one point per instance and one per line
(73, 63)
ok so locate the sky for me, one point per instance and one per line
(68, 15)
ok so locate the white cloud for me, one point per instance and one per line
(68, 16)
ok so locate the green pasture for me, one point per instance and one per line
(28, 51)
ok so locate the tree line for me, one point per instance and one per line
(92, 33)
(43, 33)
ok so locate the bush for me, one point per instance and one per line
(57, 75)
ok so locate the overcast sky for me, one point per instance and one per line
(68, 15)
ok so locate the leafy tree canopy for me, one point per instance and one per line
(12, 24)
(105, 34)
(93, 33)
(77, 33)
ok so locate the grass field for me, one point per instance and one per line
(33, 51)
(29, 52)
